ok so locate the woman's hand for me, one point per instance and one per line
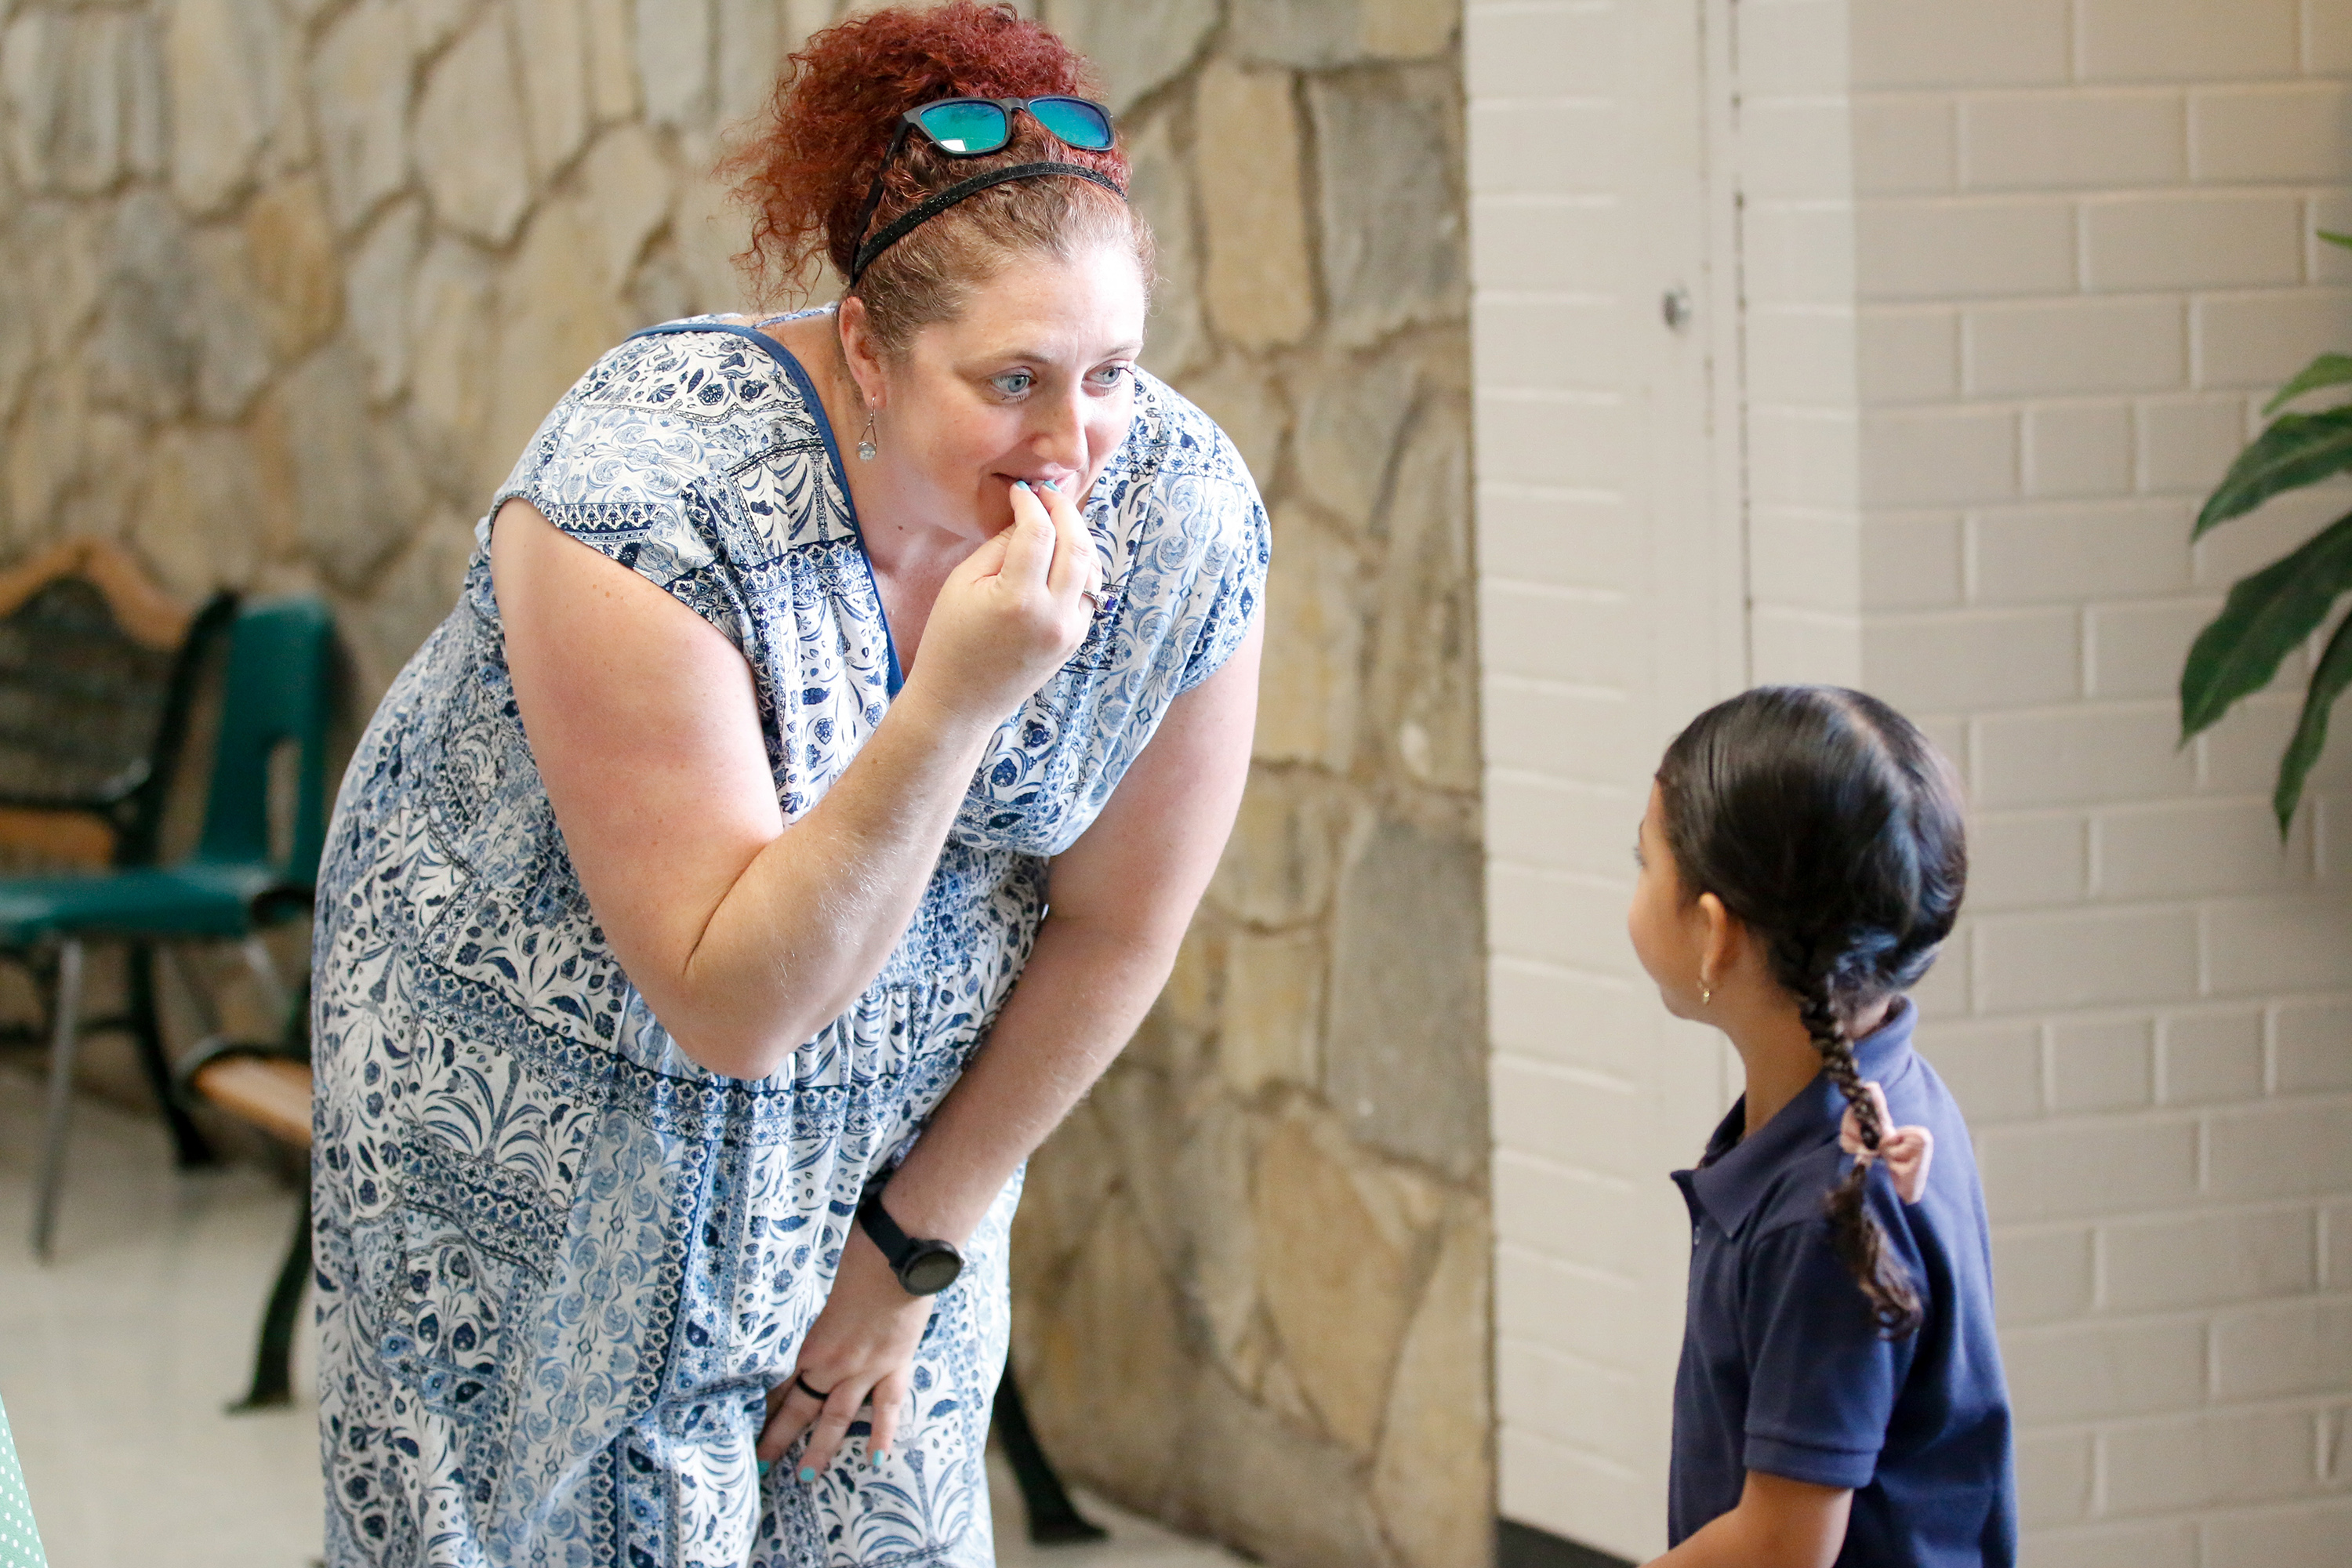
(1012, 611)
(860, 1348)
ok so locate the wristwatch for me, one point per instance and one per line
(924, 1268)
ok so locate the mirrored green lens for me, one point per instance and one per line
(1074, 121)
(966, 128)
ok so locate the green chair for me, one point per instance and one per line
(252, 867)
(20, 1542)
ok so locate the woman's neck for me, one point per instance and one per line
(911, 558)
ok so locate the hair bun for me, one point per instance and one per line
(806, 166)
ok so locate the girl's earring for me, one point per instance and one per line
(1705, 997)
(866, 447)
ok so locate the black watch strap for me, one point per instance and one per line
(924, 1267)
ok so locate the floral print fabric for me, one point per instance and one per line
(559, 1263)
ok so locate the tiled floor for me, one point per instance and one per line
(117, 1361)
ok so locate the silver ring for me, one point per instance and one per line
(1091, 597)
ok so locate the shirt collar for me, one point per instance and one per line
(1736, 1171)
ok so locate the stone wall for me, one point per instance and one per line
(285, 285)
(1253, 1268)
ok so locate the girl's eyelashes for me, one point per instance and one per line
(1109, 375)
(1013, 382)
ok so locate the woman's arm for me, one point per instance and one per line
(1120, 899)
(1779, 1523)
(744, 938)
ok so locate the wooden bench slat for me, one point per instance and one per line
(270, 1092)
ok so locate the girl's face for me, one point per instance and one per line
(1034, 381)
(1669, 928)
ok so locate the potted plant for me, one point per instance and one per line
(2276, 609)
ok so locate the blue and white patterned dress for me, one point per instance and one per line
(558, 1262)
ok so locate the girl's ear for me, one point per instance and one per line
(1720, 934)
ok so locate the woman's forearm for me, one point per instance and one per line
(1082, 996)
(815, 913)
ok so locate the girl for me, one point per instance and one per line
(1840, 1398)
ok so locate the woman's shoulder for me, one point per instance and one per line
(1178, 483)
(1172, 438)
(659, 410)
(708, 370)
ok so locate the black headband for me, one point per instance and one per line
(932, 206)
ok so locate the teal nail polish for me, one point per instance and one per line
(1021, 484)
(765, 1465)
(807, 1474)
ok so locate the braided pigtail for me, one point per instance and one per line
(1826, 822)
(1855, 1231)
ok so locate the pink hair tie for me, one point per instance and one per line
(1906, 1150)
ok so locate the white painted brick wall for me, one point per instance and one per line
(2009, 280)
(2114, 200)
(1609, 608)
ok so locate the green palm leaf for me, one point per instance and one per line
(2297, 450)
(2327, 683)
(2327, 369)
(2265, 617)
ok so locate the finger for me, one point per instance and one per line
(832, 1427)
(791, 1408)
(1029, 549)
(1075, 565)
(889, 1401)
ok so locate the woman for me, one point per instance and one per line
(686, 873)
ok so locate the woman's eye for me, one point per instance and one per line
(1013, 382)
(1109, 374)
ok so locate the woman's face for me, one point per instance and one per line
(1034, 381)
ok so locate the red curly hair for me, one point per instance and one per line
(804, 167)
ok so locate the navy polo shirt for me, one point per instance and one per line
(1784, 1370)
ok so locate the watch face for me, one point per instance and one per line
(932, 1270)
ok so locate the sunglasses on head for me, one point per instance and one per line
(972, 128)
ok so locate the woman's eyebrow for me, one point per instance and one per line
(1117, 351)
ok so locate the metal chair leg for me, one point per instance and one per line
(61, 1068)
(188, 1145)
(199, 995)
(1053, 1517)
(264, 970)
(273, 1358)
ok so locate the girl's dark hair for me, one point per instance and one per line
(1832, 827)
(805, 166)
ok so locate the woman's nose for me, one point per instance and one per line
(1059, 436)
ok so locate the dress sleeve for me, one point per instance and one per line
(1229, 523)
(635, 485)
(1823, 1379)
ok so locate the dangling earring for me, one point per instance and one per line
(866, 447)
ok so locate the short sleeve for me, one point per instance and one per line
(1232, 581)
(1823, 1381)
(635, 485)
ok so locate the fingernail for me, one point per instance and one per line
(1021, 484)
(1054, 485)
(807, 1474)
(766, 1465)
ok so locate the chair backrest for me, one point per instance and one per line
(96, 668)
(276, 697)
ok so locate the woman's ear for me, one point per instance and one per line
(859, 351)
